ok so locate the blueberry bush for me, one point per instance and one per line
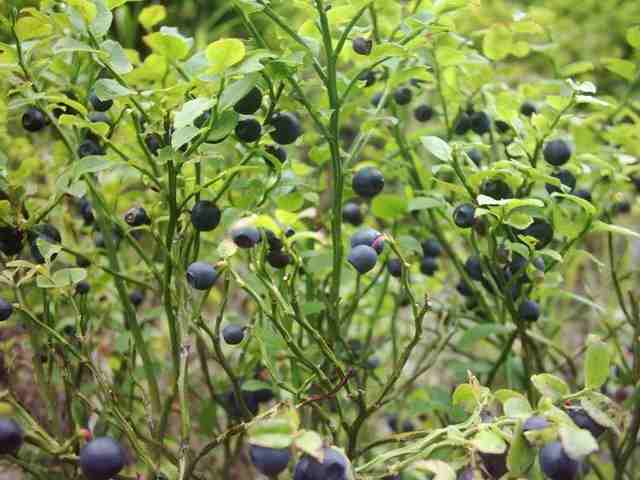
(319, 240)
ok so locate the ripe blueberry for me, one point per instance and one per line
(583, 420)
(99, 105)
(583, 194)
(403, 96)
(431, 248)
(495, 464)
(10, 241)
(473, 266)
(154, 142)
(423, 113)
(497, 189)
(233, 334)
(277, 151)
(102, 459)
(368, 182)
(89, 147)
(250, 103)
(248, 130)
(463, 215)
(535, 423)
(271, 462)
(83, 262)
(462, 124)
(368, 77)
(205, 216)
(529, 311)
(464, 289)
(86, 211)
(289, 232)
(34, 119)
(556, 464)
(352, 214)
(363, 258)
(136, 297)
(233, 404)
(278, 259)
(334, 466)
(203, 119)
(557, 152)
(136, 217)
(475, 156)
(428, 266)
(566, 178)
(11, 436)
(362, 46)
(621, 208)
(480, 123)
(6, 309)
(528, 109)
(46, 232)
(201, 275)
(541, 231)
(466, 474)
(394, 266)
(369, 237)
(286, 128)
(502, 126)
(82, 287)
(274, 242)
(245, 237)
(376, 99)
(99, 117)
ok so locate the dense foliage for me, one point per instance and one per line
(304, 239)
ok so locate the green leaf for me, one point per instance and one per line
(253, 385)
(32, 27)
(151, 16)
(487, 441)
(424, 203)
(599, 226)
(91, 164)
(169, 43)
(597, 363)
(465, 397)
(479, 332)
(577, 442)
(437, 147)
(497, 43)
(389, 207)
(183, 135)
(108, 89)
(275, 432)
(224, 53)
(521, 456)
(519, 220)
(633, 36)
(550, 386)
(117, 57)
(69, 276)
(387, 49)
(310, 443)
(102, 21)
(625, 68)
(517, 406)
(576, 68)
(192, 110)
(440, 469)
